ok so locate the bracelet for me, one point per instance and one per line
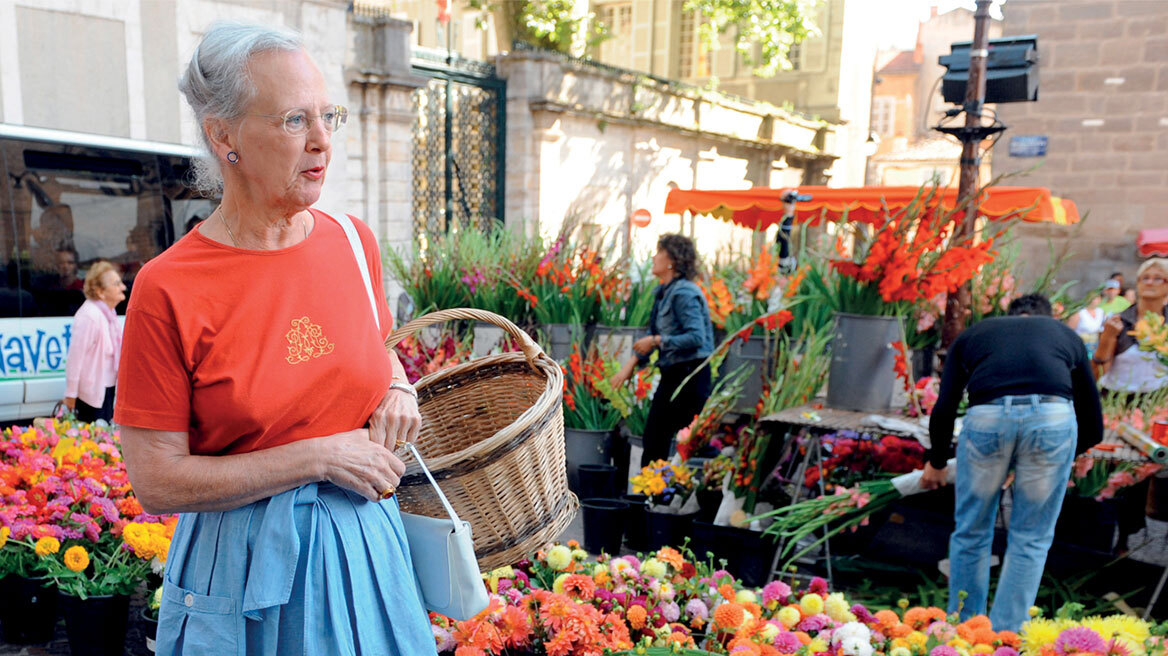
(405, 387)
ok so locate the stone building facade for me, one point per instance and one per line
(1103, 104)
(580, 139)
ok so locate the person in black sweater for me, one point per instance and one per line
(1033, 406)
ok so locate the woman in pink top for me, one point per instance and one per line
(91, 370)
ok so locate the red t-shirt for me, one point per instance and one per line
(247, 349)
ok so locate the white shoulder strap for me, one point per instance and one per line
(441, 496)
(359, 254)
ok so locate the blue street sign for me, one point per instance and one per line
(1028, 146)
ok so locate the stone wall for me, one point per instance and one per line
(1103, 103)
(596, 144)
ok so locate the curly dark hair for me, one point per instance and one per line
(1035, 305)
(683, 253)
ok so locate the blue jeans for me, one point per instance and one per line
(1036, 440)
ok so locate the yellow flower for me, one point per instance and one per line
(76, 558)
(1037, 633)
(559, 557)
(47, 545)
(982, 649)
(654, 568)
(558, 584)
(789, 616)
(746, 596)
(4, 533)
(769, 632)
(837, 608)
(1034, 611)
(812, 604)
(817, 645)
(900, 651)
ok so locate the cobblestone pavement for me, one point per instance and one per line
(135, 637)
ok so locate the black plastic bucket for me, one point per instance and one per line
(596, 481)
(604, 524)
(28, 610)
(96, 626)
(636, 531)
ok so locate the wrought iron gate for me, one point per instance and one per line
(459, 145)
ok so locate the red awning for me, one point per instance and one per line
(1153, 242)
(762, 207)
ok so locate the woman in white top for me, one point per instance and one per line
(1088, 322)
(91, 368)
(1126, 368)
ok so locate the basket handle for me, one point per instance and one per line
(530, 349)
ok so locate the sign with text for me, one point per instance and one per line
(1028, 146)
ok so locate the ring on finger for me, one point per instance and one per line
(388, 492)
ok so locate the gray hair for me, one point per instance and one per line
(217, 85)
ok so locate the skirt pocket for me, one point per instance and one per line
(196, 623)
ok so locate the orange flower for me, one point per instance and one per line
(1009, 638)
(579, 586)
(899, 631)
(727, 591)
(76, 558)
(984, 636)
(743, 647)
(636, 616)
(887, 619)
(729, 616)
(671, 556)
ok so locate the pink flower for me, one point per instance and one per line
(776, 591)
(1083, 466)
(1079, 640)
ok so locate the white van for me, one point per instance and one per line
(66, 200)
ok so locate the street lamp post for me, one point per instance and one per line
(958, 304)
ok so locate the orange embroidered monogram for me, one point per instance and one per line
(306, 341)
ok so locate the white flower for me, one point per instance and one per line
(853, 639)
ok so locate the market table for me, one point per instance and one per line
(816, 420)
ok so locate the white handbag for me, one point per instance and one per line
(442, 550)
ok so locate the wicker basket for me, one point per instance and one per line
(493, 436)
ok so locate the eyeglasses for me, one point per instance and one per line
(1155, 280)
(297, 122)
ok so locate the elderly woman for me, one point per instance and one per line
(1128, 370)
(680, 328)
(256, 396)
(91, 368)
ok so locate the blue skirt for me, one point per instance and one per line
(314, 570)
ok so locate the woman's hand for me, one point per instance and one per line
(355, 461)
(71, 402)
(645, 345)
(1112, 327)
(626, 372)
(396, 419)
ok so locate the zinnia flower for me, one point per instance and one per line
(944, 650)
(670, 611)
(47, 545)
(1005, 651)
(76, 558)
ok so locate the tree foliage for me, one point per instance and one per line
(549, 24)
(764, 30)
